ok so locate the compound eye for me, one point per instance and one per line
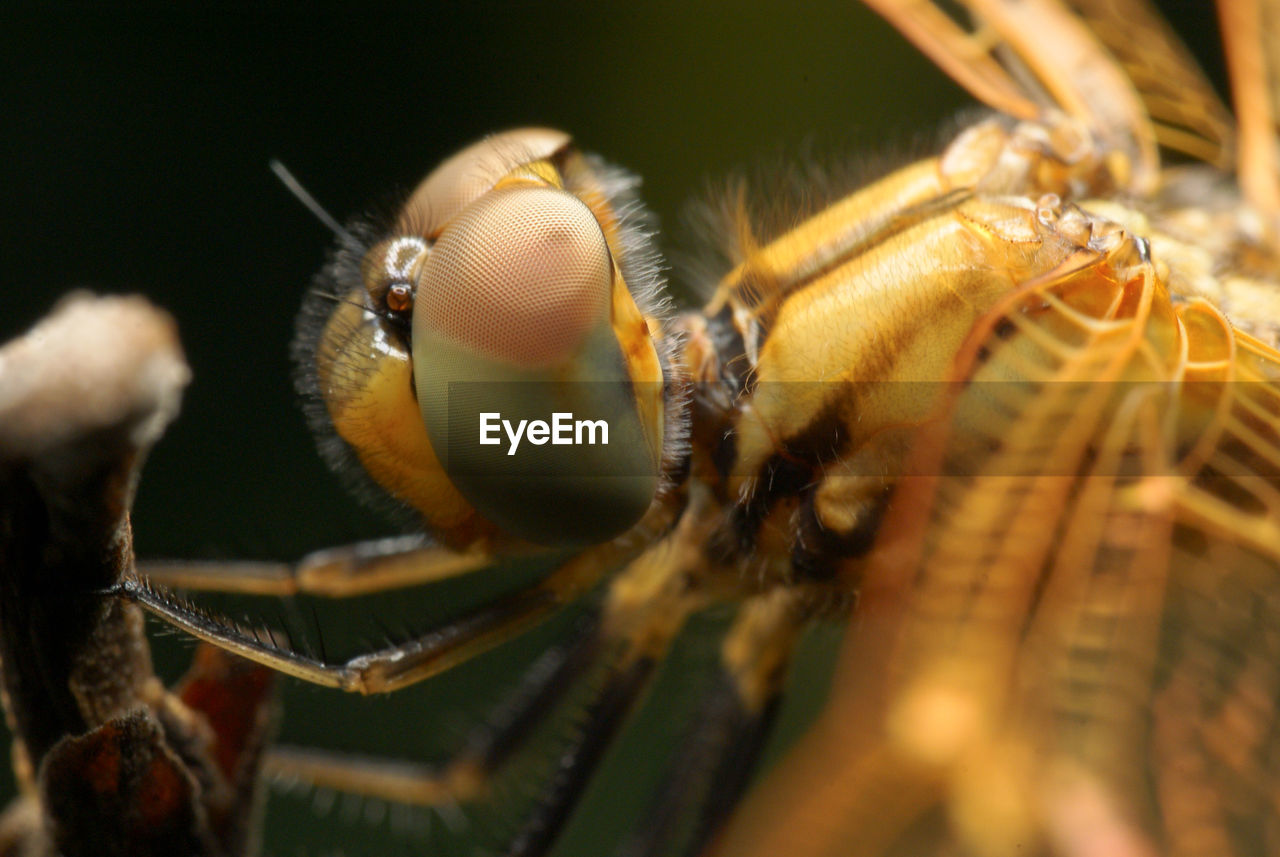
(520, 278)
(523, 386)
(472, 172)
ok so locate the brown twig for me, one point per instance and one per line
(108, 761)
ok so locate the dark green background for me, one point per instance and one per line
(133, 158)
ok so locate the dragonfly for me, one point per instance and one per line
(1009, 412)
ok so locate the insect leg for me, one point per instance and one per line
(358, 569)
(490, 744)
(631, 640)
(715, 760)
(621, 690)
(646, 606)
(399, 665)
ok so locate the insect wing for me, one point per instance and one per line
(1148, 90)
(1251, 31)
(1007, 64)
(1068, 601)
(1187, 113)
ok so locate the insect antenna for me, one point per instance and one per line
(339, 299)
(304, 196)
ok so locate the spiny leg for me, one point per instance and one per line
(645, 607)
(626, 675)
(715, 760)
(400, 665)
(490, 744)
(358, 569)
(622, 688)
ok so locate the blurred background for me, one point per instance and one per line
(133, 158)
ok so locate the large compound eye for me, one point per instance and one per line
(526, 393)
(391, 267)
(521, 277)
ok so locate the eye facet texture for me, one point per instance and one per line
(520, 277)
